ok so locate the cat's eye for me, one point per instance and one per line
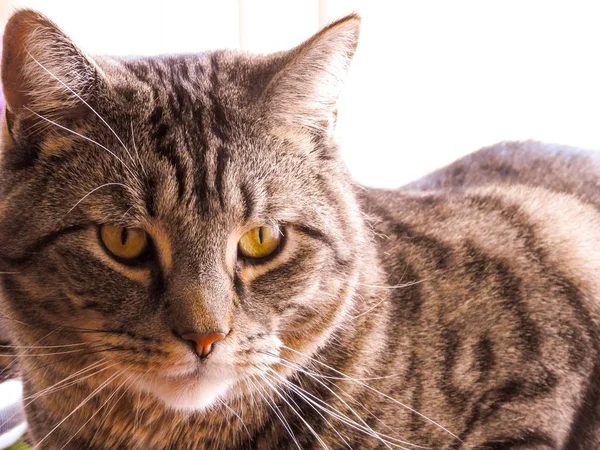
(260, 242)
(125, 244)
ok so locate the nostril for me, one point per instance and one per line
(203, 343)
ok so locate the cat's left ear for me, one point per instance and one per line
(44, 75)
(304, 92)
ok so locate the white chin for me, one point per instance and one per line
(196, 395)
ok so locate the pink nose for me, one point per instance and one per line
(203, 342)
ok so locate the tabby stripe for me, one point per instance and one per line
(516, 218)
(408, 299)
(239, 286)
(151, 196)
(439, 251)
(526, 440)
(455, 396)
(285, 271)
(585, 423)
(168, 152)
(43, 242)
(223, 157)
(479, 265)
(166, 149)
(492, 401)
(318, 235)
(220, 123)
(248, 201)
(139, 71)
(484, 358)
(156, 116)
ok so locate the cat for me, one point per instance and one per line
(187, 264)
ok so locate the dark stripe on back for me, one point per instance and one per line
(484, 358)
(587, 419)
(483, 267)
(456, 397)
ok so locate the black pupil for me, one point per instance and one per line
(124, 236)
(260, 235)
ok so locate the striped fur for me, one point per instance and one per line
(459, 312)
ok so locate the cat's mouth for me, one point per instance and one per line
(196, 384)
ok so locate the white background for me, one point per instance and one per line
(432, 80)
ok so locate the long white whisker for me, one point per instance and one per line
(94, 190)
(283, 392)
(98, 410)
(276, 411)
(51, 389)
(371, 431)
(441, 427)
(82, 101)
(314, 433)
(231, 410)
(81, 136)
(83, 402)
(316, 402)
(65, 382)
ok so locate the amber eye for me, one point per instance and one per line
(260, 242)
(124, 243)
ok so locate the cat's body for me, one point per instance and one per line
(461, 311)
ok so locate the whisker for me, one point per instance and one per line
(372, 432)
(376, 391)
(34, 397)
(94, 190)
(82, 101)
(316, 410)
(77, 408)
(314, 433)
(369, 430)
(42, 346)
(98, 410)
(107, 413)
(276, 411)
(314, 401)
(231, 410)
(81, 136)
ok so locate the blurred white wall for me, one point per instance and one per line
(432, 80)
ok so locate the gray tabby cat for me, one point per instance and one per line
(188, 265)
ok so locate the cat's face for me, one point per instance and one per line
(146, 200)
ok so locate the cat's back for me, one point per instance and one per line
(558, 168)
(495, 265)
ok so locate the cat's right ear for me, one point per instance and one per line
(44, 75)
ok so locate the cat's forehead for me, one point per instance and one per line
(226, 78)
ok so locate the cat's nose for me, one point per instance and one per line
(203, 343)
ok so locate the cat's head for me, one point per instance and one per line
(187, 217)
